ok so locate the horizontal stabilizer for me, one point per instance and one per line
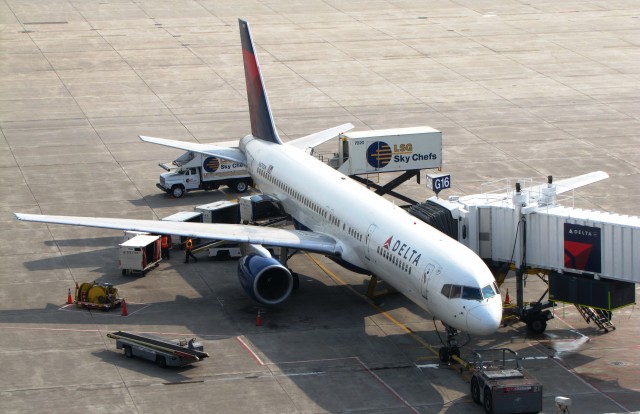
(238, 233)
(225, 153)
(318, 138)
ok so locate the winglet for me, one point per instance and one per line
(262, 125)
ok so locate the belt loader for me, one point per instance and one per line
(165, 353)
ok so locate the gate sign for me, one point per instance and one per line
(582, 249)
(438, 182)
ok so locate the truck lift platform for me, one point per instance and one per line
(163, 352)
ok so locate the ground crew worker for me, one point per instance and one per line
(165, 245)
(187, 251)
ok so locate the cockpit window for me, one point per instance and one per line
(488, 292)
(471, 293)
(445, 290)
(456, 290)
(451, 291)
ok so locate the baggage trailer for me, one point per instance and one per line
(500, 389)
(165, 353)
(139, 254)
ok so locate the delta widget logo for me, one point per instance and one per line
(379, 154)
(211, 164)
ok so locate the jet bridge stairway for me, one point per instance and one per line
(598, 316)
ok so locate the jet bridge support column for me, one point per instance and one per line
(534, 315)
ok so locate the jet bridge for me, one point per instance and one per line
(588, 258)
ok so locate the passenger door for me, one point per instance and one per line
(426, 277)
(368, 241)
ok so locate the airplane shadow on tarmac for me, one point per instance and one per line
(325, 343)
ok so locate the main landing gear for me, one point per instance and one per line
(451, 348)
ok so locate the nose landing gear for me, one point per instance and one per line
(451, 347)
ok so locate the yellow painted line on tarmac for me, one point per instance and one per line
(384, 313)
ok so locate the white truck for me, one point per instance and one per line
(194, 171)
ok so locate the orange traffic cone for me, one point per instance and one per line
(124, 308)
(69, 300)
(259, 318)
(507, 301)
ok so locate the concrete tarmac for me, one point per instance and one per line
(519, 89)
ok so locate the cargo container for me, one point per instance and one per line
(139, 254)
(389, 150)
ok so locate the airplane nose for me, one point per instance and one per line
(485, 319)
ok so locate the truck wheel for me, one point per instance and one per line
(537, 325)
(240, 186)
(475, 390)
(488, 401)
(161, 361)
(128, 352)
(177, 191)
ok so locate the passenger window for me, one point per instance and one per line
(471, 293)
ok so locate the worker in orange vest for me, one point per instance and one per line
(165, 245)
(187, 251)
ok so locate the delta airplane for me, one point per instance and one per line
(334, 216)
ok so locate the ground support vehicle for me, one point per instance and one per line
(194, 171)
(165, 353)
(501, 389)
(93, 295)
(139, 254)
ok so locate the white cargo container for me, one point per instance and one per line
(195, 171)
(223, 211)
(388, 150)
(139, 254)
(182, 217)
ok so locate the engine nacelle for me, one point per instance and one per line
(265, 279)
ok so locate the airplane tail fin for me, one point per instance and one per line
(262, 125)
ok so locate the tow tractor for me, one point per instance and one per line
(165, 353)
(94, 295)
(500, 389)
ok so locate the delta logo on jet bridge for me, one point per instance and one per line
(380, 154)
(403, 250)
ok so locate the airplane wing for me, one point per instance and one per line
(239, 233)
(219, 151)
(568, 184)
(318, 138)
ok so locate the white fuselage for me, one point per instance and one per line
(379, 237)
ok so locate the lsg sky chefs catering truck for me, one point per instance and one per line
(193, 171)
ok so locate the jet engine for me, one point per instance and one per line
(265, 279)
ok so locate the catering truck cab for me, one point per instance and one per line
(193, 171)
